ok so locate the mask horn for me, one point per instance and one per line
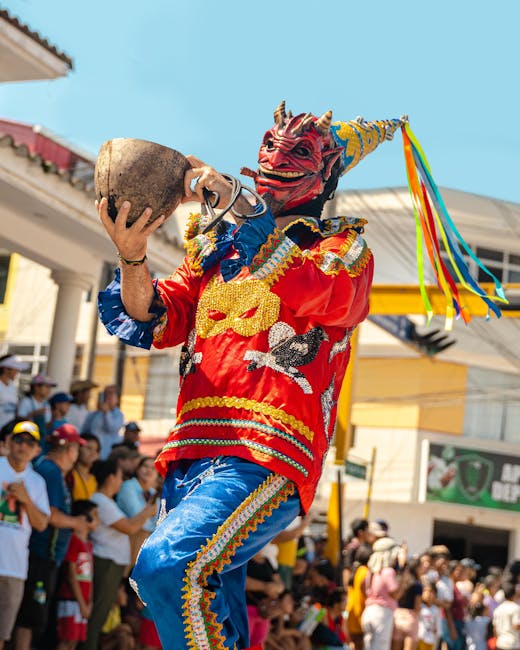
(323, 124)
(279, 114)
(303, 125)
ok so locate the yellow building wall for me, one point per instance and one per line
(6, 305)
(134, 382)
(134, 387)
(419, 393)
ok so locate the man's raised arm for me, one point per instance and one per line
(137, 290)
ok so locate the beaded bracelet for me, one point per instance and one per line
(132, 262)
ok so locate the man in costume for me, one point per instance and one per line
(265, 311)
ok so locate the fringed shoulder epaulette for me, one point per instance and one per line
(326, 227)
(206, 249)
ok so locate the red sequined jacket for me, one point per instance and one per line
(265, 350)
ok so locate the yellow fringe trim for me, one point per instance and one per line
(249, 405)
(218, 552)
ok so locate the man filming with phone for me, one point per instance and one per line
(107, 421)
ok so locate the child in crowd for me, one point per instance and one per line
(116, 635)
(75, 589)
(477, 626)
(148, 636)
(506, 620)
(429, 619)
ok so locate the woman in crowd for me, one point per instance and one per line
(453, 615)
(284, 633)
(406, 616)
(356, 596)
(263, 586)
(133, 496)
(382, 589)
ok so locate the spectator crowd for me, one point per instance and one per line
(77, 500)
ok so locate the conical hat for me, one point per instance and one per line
(359, 138)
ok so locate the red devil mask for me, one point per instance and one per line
(295, 160)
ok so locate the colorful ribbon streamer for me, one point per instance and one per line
(433, 226)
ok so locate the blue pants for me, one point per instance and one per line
(216, 514)
(460, 642)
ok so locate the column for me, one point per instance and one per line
(62, 347)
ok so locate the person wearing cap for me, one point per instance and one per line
(78, 411)
(383, 588)
(10, 366)
(449, 598)
(375, 531)
(35, 405)
(47, 548)
(60, 404)
(467, 580)
(23, 505)
(131, 435)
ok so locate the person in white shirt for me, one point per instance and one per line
(477, 625)
(78, 411)
(506, 620)
(23, 505)
(10, 366)
(429, 619)
(35, 406)
(111, 543)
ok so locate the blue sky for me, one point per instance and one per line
(204, 77)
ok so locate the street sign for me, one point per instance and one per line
(356, 469)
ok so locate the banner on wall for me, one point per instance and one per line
(472, 477)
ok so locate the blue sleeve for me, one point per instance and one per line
(54, 482)
(129, 500)
(114, 317)
(94, 424)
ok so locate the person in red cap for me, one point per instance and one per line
(47, 548)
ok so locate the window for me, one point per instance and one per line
(37, 356)
(503, 264)
(162, 387)
(492, 407)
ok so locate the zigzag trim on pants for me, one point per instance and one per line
(201, 628)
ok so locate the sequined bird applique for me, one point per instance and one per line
(287, 352)
(189, 358)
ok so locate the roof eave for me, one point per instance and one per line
(26, 55)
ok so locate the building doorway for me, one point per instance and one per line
(487, 546)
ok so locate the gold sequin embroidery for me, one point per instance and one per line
(247, 307)
(249, 405)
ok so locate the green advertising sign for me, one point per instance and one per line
(472, 477)
(355, 469)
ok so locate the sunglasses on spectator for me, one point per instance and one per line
(28, 440)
